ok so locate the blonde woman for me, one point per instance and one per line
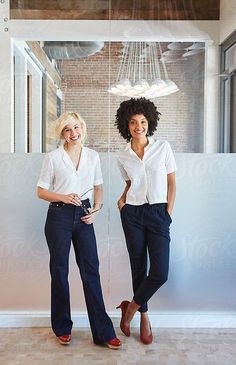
(70, 177)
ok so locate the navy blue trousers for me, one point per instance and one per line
(63, 226)
(146, 229)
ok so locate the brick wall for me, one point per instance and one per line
(85, 82)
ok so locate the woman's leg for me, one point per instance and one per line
(131, 217)
(84, 242)
(135, 234)
(157, 225)
(146, 225)
(58, 236)
(145, 329)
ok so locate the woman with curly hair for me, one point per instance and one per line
(148, 167)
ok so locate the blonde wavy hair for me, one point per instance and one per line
(65, 119)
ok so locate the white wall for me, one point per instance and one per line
(201, 283)
(227, 18)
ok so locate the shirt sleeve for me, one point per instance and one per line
(170, 160)
(122, 171)
(46, 175)
(98, 180)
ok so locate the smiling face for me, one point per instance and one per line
(72, 132)
(138, 126)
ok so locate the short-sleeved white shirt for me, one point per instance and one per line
(59, 174)
(148, 176)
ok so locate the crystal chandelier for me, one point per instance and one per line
(140, 73)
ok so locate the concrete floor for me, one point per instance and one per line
(39, 346)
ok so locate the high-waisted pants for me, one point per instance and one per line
(146, 229)
(63, 226)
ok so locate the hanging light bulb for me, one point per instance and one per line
(114, 90)
(141, 85)
(170, 88)
(139, 63)
(157, 84)
(124, 84)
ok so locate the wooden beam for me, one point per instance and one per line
(41, 56)
(120, 10)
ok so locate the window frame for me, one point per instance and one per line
(227, 98)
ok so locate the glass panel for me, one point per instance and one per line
(233, 114)
(230, 58)
(228, 69)
(61, 82)
(79, 74)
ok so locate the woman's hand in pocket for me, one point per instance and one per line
(120, 204)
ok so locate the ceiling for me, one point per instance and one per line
(116, 9)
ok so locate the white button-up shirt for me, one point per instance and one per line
(59, 174)
(148, 176)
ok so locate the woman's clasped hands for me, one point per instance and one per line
(72, 198)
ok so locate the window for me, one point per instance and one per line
(228, 95)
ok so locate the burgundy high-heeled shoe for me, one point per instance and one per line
(123, 306)
(147, 340)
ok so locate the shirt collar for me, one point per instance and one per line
(63, 152)
(66, 158)
(150, 142)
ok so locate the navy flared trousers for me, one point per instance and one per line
(63, 226)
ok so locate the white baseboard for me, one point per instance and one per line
(158, 320)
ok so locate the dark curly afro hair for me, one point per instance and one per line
(130, 107)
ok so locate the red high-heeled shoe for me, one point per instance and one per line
(64, 340)
(123, 306)
(147, 340)
(114, 343)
